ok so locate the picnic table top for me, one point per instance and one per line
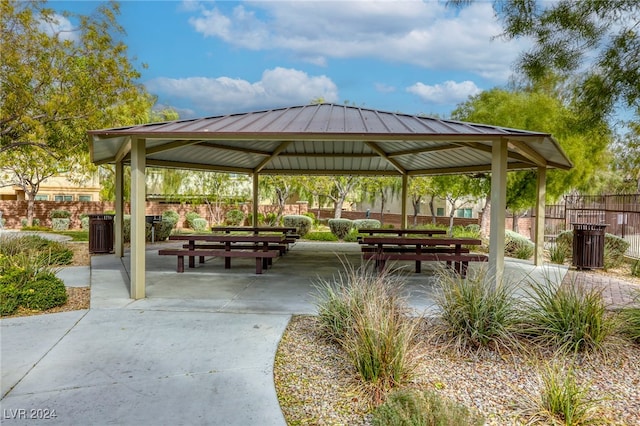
(254, 229)
(229, 238)
(403, 231)
(437, 241)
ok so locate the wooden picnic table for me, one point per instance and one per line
(420, 249)
(255, 229)
(260, 247)
(403, 231)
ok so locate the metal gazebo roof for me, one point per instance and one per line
(327, 139)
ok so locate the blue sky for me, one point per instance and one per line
(222, 57)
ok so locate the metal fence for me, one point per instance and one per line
(621, 214)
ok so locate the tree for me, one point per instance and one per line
(380, 188)
(419, 187)
(55, 85)
(280, 188)
(535, 110)
(342, 187)
(595, 42)
(626, 164)
(458, 190)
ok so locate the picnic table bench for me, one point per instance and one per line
(402, 231)
(289, 232)
(449, 250)
(227, 246)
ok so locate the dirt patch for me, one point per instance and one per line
(81, 256)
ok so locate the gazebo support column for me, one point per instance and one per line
(254, 194)
(405, 184)
(540, 216)
(138, 224)
(118, 219)
(498, 208)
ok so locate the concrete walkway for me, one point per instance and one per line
(198, 350)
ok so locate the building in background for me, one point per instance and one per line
(57, 188)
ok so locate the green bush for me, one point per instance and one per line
(44, 292)
(84, 223)
(60, 214)
(366, 224)
(559, 252)
(9, 299)
(311, 215)
(631, 323)
(569, 318)
(235, 217)
(340, 227)
(321, 236)
(635, 268)
(189, 217)
(302, 223)
(47, 252)
(517, 246)
(199, 224)
(476, 314)
(410, 407)
(171, 216)
(59, 224)
(271, 219)
(164, 228)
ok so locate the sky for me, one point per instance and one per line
(223, 57)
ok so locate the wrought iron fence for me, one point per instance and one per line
(621, 214)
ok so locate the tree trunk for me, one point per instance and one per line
(416, 209)
(485, 221)
(337, 208)
(514, 222)
(433, 212)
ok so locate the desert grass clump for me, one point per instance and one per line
(409, 407)
(562, 400)
(365, 313)
(630, 320)
(568, 318)
(476, 312)
(559, 252)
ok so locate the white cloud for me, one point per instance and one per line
(384, 88)
(222, 95)
(448, 92)
(60, 26)
(426, 34)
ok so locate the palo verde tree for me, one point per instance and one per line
(538, 111)
(458, 190)
(62, 75)
(419, 188)
(595, 43)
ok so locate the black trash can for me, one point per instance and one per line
(101, 233)
(153, 220)
(588, 245)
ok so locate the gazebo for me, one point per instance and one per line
(325, 139)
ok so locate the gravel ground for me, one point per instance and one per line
(317, 386)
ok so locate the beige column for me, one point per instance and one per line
(138, 196)
(538, 257)
(255, 194)
(118, 225)
(498, 208)
(405, 184)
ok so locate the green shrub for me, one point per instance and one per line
(352, 236)
(164, 228)
(311, 215)
(414, 408)
(569, 318)
(635, 268)
(260, 218)
(517, 246)
(60, 214)
(271, 219)
(234, 217)
(321, 236)
(302, 223)
(59, 224)
(84, 223)
(171, 216)
(475, 313)
(614, 250)
(631, 323)
(44, 292)
(189, 217)
(364, 312)
(366, 224)
(340, 227)
(473, 228)
(559, 252)
(47, 252)
(9, 299)
(199, 224)
(562, 400)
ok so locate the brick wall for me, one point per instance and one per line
(13, 211)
